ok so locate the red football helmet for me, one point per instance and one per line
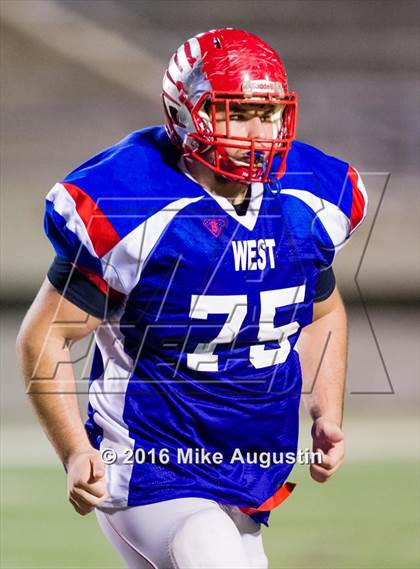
(213, 71)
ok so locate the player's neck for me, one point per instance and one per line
(216, 184)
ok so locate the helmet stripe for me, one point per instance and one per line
(191, 59)
(176, 61)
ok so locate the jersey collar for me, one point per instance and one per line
(250, 218)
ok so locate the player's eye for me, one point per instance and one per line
(270, 115)
(237, 116)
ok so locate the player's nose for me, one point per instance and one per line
(255, 128)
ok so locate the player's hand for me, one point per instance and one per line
(86, 485)
(328, 439)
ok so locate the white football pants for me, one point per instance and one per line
(185, 533)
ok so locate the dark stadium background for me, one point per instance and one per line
(77, 76)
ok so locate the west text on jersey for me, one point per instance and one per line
(253, 254)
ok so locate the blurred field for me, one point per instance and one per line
(366, 518)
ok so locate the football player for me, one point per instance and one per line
(198, 254)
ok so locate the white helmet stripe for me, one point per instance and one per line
(171, 90)
(183, 61)
(195, 48)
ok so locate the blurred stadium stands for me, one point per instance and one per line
(78, 75)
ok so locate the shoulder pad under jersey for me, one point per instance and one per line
(331, 190)
(98, 211)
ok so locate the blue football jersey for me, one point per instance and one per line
(200, 354)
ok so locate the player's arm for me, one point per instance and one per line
(323, 356)
(51, 325)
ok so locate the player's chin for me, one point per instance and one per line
(224, 180)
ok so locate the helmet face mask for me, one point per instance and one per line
(209, 124)
(240, 158)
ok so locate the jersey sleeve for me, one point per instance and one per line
(325, 284)
(325, 200)
(79, 290)
(81, 236)
(339, 212)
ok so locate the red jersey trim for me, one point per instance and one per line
(101, 285)
(275, 500)
(358, 201)
(99, 228)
